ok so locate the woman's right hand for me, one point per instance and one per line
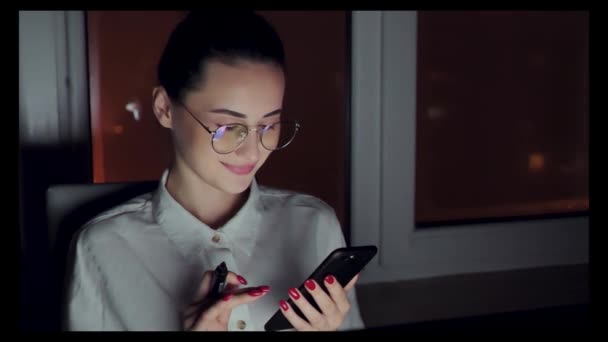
(215, 316)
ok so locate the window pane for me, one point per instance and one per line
(502, 114)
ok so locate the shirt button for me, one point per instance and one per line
(241, 324)
(216, 238)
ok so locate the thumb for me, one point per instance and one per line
(204, 286)
(233, 281)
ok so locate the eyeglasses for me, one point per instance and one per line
(227, 138)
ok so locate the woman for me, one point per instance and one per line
(146, 264)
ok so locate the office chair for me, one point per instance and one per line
(69, 207)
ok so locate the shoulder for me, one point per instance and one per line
(306, 215)
(118, 225)
(274, 198)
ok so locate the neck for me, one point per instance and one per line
(210, 205)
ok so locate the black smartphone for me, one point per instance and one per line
(342, 263)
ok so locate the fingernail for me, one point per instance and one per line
(283, 305)
(293, 293)
(227, 297)
(330, 279)
(310, 284)
(256, 292)
(264, 288)
(241, 280)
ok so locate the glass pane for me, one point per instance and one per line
(502, 114)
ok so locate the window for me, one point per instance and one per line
(387, 72)
(502, 115)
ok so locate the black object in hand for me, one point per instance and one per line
(217, 289)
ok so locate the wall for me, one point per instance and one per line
(54, 142)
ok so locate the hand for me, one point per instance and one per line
(334, 306)
(214, 314)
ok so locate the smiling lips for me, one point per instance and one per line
(240, 170)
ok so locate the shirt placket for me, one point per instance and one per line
(220, 250)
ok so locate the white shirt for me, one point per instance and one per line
(137, 265)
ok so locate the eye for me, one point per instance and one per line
(270, 127)
(231, 128)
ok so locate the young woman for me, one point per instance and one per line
(147, 264)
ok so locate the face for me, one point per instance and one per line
(244, 93)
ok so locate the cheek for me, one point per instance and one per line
(193, 143)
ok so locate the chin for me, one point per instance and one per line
(235, 185)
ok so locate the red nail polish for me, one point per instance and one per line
(330, 279)
(264, 288)
(310, 284)
(283, 305)
(293, 293)
(256, 292)
(241, 280)
(227, 297)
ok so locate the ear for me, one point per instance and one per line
(161, 104)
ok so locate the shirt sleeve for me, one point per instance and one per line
(330, 237)
(87, 307)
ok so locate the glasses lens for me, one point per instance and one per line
(279, 135)
(227, 138)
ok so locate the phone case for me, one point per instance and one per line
(342, 263)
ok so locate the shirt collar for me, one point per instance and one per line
(191, 235)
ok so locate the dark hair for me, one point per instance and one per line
(215, 35)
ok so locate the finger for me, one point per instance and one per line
(326, 304)
(240, 297)
(211, 319)
(187, 323)
(314, 317)
(204, 286)
(199, 299)
(351, 283)
(202, 300)
(207, 314)
(337, 293)
(296, 321)
(233, 281)
(231, 288)
(214, 311)
(190, 312)
(222, 308)
(224, 316)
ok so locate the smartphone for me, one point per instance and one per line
(342, 263)
(219, 281)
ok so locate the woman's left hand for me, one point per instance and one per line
(334, 306)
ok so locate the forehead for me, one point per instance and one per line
(246, 87)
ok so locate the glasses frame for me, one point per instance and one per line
(259, 131)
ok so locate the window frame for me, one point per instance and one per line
(384, 82)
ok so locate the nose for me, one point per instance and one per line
(250, 149)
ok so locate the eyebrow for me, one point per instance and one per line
(241, 115)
